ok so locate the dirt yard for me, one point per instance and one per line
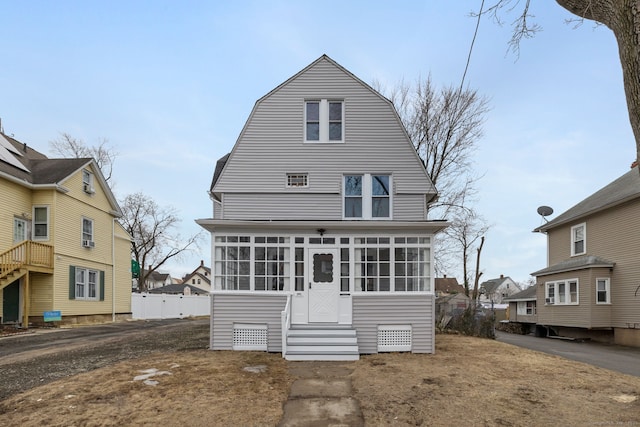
(468, 382)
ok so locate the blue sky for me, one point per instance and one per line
(170, 85)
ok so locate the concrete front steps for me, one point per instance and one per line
(322, 342)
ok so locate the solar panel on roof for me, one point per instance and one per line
(8, 154)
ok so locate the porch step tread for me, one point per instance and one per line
(322, 341)
(322, 357)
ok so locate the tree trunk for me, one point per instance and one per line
(623, 18)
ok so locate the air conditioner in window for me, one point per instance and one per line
(88, 188)
(88, 243)
(550, 300)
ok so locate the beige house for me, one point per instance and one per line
(63, 253)
(591, 287)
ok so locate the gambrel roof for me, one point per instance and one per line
(623, 189)
(322, 78)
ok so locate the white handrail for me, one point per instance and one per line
(285, 319)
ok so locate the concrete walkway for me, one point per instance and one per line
(321, 396)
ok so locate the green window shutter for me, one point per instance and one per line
(101, 285)
(72, 282)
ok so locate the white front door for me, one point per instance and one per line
(324, 285)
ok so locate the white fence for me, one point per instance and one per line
(167, 306)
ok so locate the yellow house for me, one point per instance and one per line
(63, 254)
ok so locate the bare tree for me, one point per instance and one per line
(445, 125)
(151, 228)
(620, 16)
(467, 227)
(104, 154)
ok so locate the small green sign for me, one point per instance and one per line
(135, 269)
(52, 316)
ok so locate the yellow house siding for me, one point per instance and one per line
(98, 199)
(16, 201)
(41, 293)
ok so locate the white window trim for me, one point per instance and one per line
(567, 292)
(367, 197)
(607, 281)
(87, 184)
(93, 231)
(323, 121)
(86, 296)
(34, 223)
(584, 239)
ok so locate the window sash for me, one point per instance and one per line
(602, 291)
(324, 120)
(87, 229)
(367, 196)
(40, 223)
(578, 239)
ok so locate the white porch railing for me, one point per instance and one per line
(285, 317)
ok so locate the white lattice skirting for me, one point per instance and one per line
(394, 338)
(249, 336)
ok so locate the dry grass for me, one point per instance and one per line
(469, 381)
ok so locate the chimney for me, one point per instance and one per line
(502, 276)
(634, 164)
(445, 276)
(201, 263)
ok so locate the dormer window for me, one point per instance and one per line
(324, 121)
(87, 182)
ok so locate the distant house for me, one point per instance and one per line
(62, 249)
(591, 286)
(522, 306)
(157, 280)
(494, 291)
(200, 277)
(321, 246)
(447, 286)
(179, 288)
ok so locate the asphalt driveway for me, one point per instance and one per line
(613, 357)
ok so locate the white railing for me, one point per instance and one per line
(285, 318)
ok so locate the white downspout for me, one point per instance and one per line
(113, 270)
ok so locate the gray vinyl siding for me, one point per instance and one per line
(613, 234)
(278, 206)
(416, 310)
(257, 309)
(271, 145)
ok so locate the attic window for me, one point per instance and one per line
(87, 182)
(297, 180)
(324, 121)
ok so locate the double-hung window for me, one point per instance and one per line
(324, 121)
(86, 284)
(367, 196)
(87, 232)
(41, 223)
(87, 182)
(578, 239)
(603, 293)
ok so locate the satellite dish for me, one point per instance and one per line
(545, 211)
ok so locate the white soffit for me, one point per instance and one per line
(8, 154)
